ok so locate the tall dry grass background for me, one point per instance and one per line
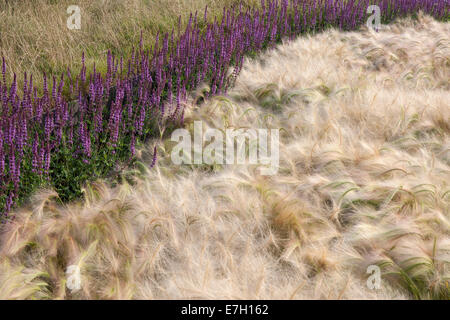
(34, 37)
(364, 179)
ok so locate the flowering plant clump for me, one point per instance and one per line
(82, 125)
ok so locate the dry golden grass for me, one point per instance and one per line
(34, 37)
(364, 179)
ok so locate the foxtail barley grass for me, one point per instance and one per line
(82, 124)
(364, 179)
